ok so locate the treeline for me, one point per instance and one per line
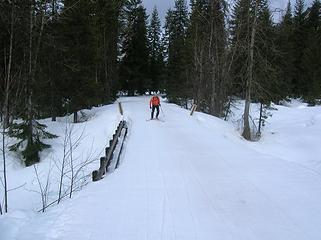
(60, 56)
(222, 49)
(217, 51)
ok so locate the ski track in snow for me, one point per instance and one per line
(187, 178)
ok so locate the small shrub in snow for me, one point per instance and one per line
(30, 136)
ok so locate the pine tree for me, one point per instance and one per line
(134, 66)
(30, 141)
(285, 58)
(176, 27)
(106, 34)
(299, 44)
(78, 51)
(26, 38)
(312, 53)
(239, 37)
(14, 39)
(197, 45)
(156, 65)
(49, 102)
(254, 68)
(208, 47)
(266, 70)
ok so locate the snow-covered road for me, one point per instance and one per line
(187, 178)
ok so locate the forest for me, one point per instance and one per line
(61, 56)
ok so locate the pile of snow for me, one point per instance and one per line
(184, 178)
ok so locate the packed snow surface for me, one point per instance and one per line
(185, 177)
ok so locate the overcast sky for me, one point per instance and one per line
(164, 5)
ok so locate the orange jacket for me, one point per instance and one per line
(154, 101)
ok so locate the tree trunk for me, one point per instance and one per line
(34, 157)
(4, 170)
(247, 130)
(29, 160)
(260, 120)
(52, 93)
(51, 80)
(8, 75)
(75, 117)
(106, 72)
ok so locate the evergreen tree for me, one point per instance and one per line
(239, 37)
(27, 26)
(208, 46)
(106, 34)
(312, 53)
(197, 35)
(266, 73)
(285, 58)
(135, 56)
(156, 65)
(14, 20)
(265, 69)
(299, 44)
(30, 140)
(78, 51)
(49, 102)
(254, 68)
(176, 27)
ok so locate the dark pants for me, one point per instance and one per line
(153, 110)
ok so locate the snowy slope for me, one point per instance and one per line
(292, 133)
(192, 178)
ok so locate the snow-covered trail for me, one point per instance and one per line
(188, 178)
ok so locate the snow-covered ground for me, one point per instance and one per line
(181, 178)
(292, 133)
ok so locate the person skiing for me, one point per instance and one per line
(154, 103)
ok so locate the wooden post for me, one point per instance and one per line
(193, 109)
(102, 164)
(106, 151)
(95, 176)
(121, 148)
(120, 108)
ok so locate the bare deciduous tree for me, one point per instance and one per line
(70, 167)
(8, 80)
(3, 150)
(44, 189)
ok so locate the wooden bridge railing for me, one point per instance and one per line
(109, 152)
